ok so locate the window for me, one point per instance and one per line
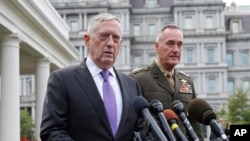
(188, 23)
(246, 85)
(230, 87)
(235, 26)
(151, 57)
(27, 83)
(189, 55)
(137, 60)
(115, 1)
(53, 1)
(209, 22)
(210, 55)
(212, 82)
(136, 30)
(229, 57)
(151, 29)
(211, 85)
(74, 26)
(151, 3)
(244, 58)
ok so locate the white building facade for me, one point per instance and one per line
(33, 42)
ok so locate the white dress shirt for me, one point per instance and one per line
(96, 74)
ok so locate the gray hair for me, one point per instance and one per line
(100, 18)
(171, 26)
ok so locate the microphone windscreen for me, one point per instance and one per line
(177, 106)
(140, 103)
(170, 114)
(201, 111)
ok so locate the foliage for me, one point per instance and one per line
(222, 113)
(238, 108)
(27, 124)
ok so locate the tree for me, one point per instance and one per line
(239, 108)
(27, 125)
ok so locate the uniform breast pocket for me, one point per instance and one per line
(185, 97)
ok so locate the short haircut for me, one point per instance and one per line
(171, 26)
(100, 18)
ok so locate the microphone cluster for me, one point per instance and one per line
(164, 126)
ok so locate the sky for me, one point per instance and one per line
(238, 2)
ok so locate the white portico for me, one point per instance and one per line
(33, 40)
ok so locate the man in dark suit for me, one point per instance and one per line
(162, 81)
(75, 104)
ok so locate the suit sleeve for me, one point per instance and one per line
(55, 111)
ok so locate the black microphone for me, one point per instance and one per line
(172, 120)
(179, 109)
(157, 107)
(200, 110)
(141, 106)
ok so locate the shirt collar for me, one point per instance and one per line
(95, 70)
(165, 72)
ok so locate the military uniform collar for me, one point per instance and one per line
(165, 72)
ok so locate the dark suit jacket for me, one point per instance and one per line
(154, 85)
(74, 110)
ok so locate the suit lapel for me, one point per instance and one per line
(90, 90)
(124, 87)
(177, 84)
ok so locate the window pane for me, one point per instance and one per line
(74, 26)
(151, 3)
(229, 59)
(151, 58)
(188, 23)
(137, 60)
(53, 1)
(210, 55)
(136, 30)
(235, 27)
(189, 56)
(211, 85)
(151, 29)
(209, 22)
(230, 87)
(244, 57)
(246, 86)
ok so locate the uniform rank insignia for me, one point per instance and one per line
(185, 87)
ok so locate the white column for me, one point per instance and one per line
(10, 99)
(81, 50)
(85, 21)
(42, 75)
(85, 52)
(198, 19)
(127, 22)
(218, 24)
(176, 18)
(201, 19)
(123, 22)
(80, 22)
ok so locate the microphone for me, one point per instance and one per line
(178, 108)
(172, 120)
(141, 106)
(157, 107)
(200, 110)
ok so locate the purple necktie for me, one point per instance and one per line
(109, 100)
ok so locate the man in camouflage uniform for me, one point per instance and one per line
(154, 78)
